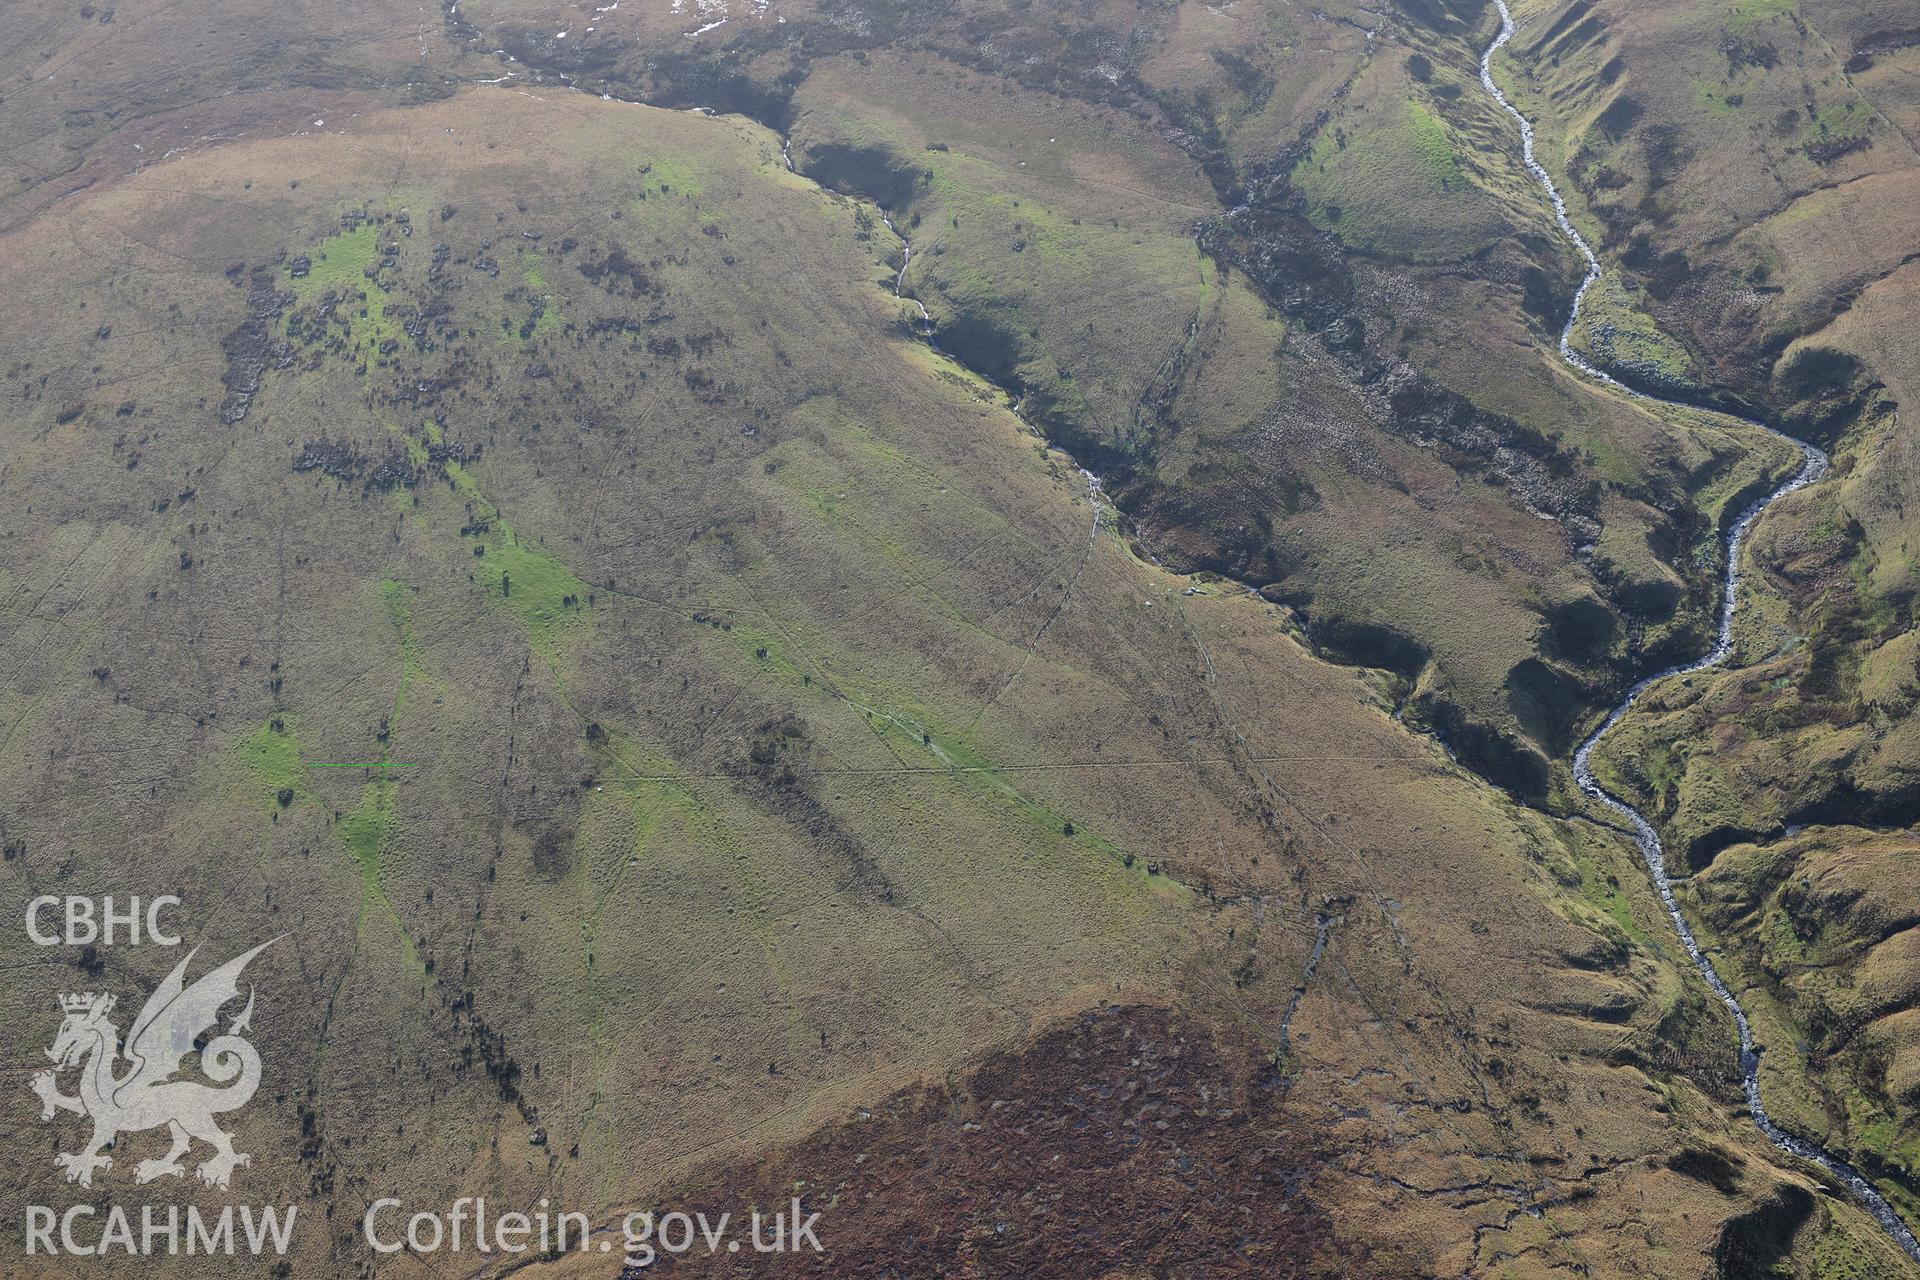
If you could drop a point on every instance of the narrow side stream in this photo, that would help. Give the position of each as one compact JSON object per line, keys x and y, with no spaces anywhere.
{"x":1813,"y":466}
{"x":900,"y":278}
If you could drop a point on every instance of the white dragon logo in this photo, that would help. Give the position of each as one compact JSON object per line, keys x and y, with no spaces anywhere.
{"x":146,"y":1096}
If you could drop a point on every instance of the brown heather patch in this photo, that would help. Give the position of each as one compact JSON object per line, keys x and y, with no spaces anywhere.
{"x":1128,"y":1141}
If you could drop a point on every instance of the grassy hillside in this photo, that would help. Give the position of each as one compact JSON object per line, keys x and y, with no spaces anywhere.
{"x":1282,"y":438}
{"x":516,"y":543}
{"x":1818,"y":925}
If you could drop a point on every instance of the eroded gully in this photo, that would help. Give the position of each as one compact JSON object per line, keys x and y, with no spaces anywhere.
{"x":1813,"y":466}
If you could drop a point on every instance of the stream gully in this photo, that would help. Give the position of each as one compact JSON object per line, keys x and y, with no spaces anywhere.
{"x":1813,"y":466}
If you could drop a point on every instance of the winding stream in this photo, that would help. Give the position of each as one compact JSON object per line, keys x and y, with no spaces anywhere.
{"x":1813,"y":466}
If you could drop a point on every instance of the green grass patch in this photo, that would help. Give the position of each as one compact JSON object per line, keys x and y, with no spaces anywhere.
{"x":1716,"y":102}
{"x":1617,"y":334}
{"x":272,"y":759}
{"x":338,"y":264}
{"x":1602,"y":890}
{"x":914,"y":729}
{"x":1612,"y":462}
{"x":545,"y":597}
{"x":1745,"y":13}
{"x":551,"y":319}
{"x":1840,"y":121}
{"x":1432,"y":146}
{"x":764,"y":650}
{"x":669,"y":176}
{"x":365,"y":829}
{"x":400,"y":613}
{"x":1388,"y":177}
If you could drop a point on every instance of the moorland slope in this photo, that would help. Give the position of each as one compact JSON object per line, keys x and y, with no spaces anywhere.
{"x":776,"y":761}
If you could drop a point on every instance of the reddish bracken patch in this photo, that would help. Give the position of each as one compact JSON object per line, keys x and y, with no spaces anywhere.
{"x":1128,"y":1143}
